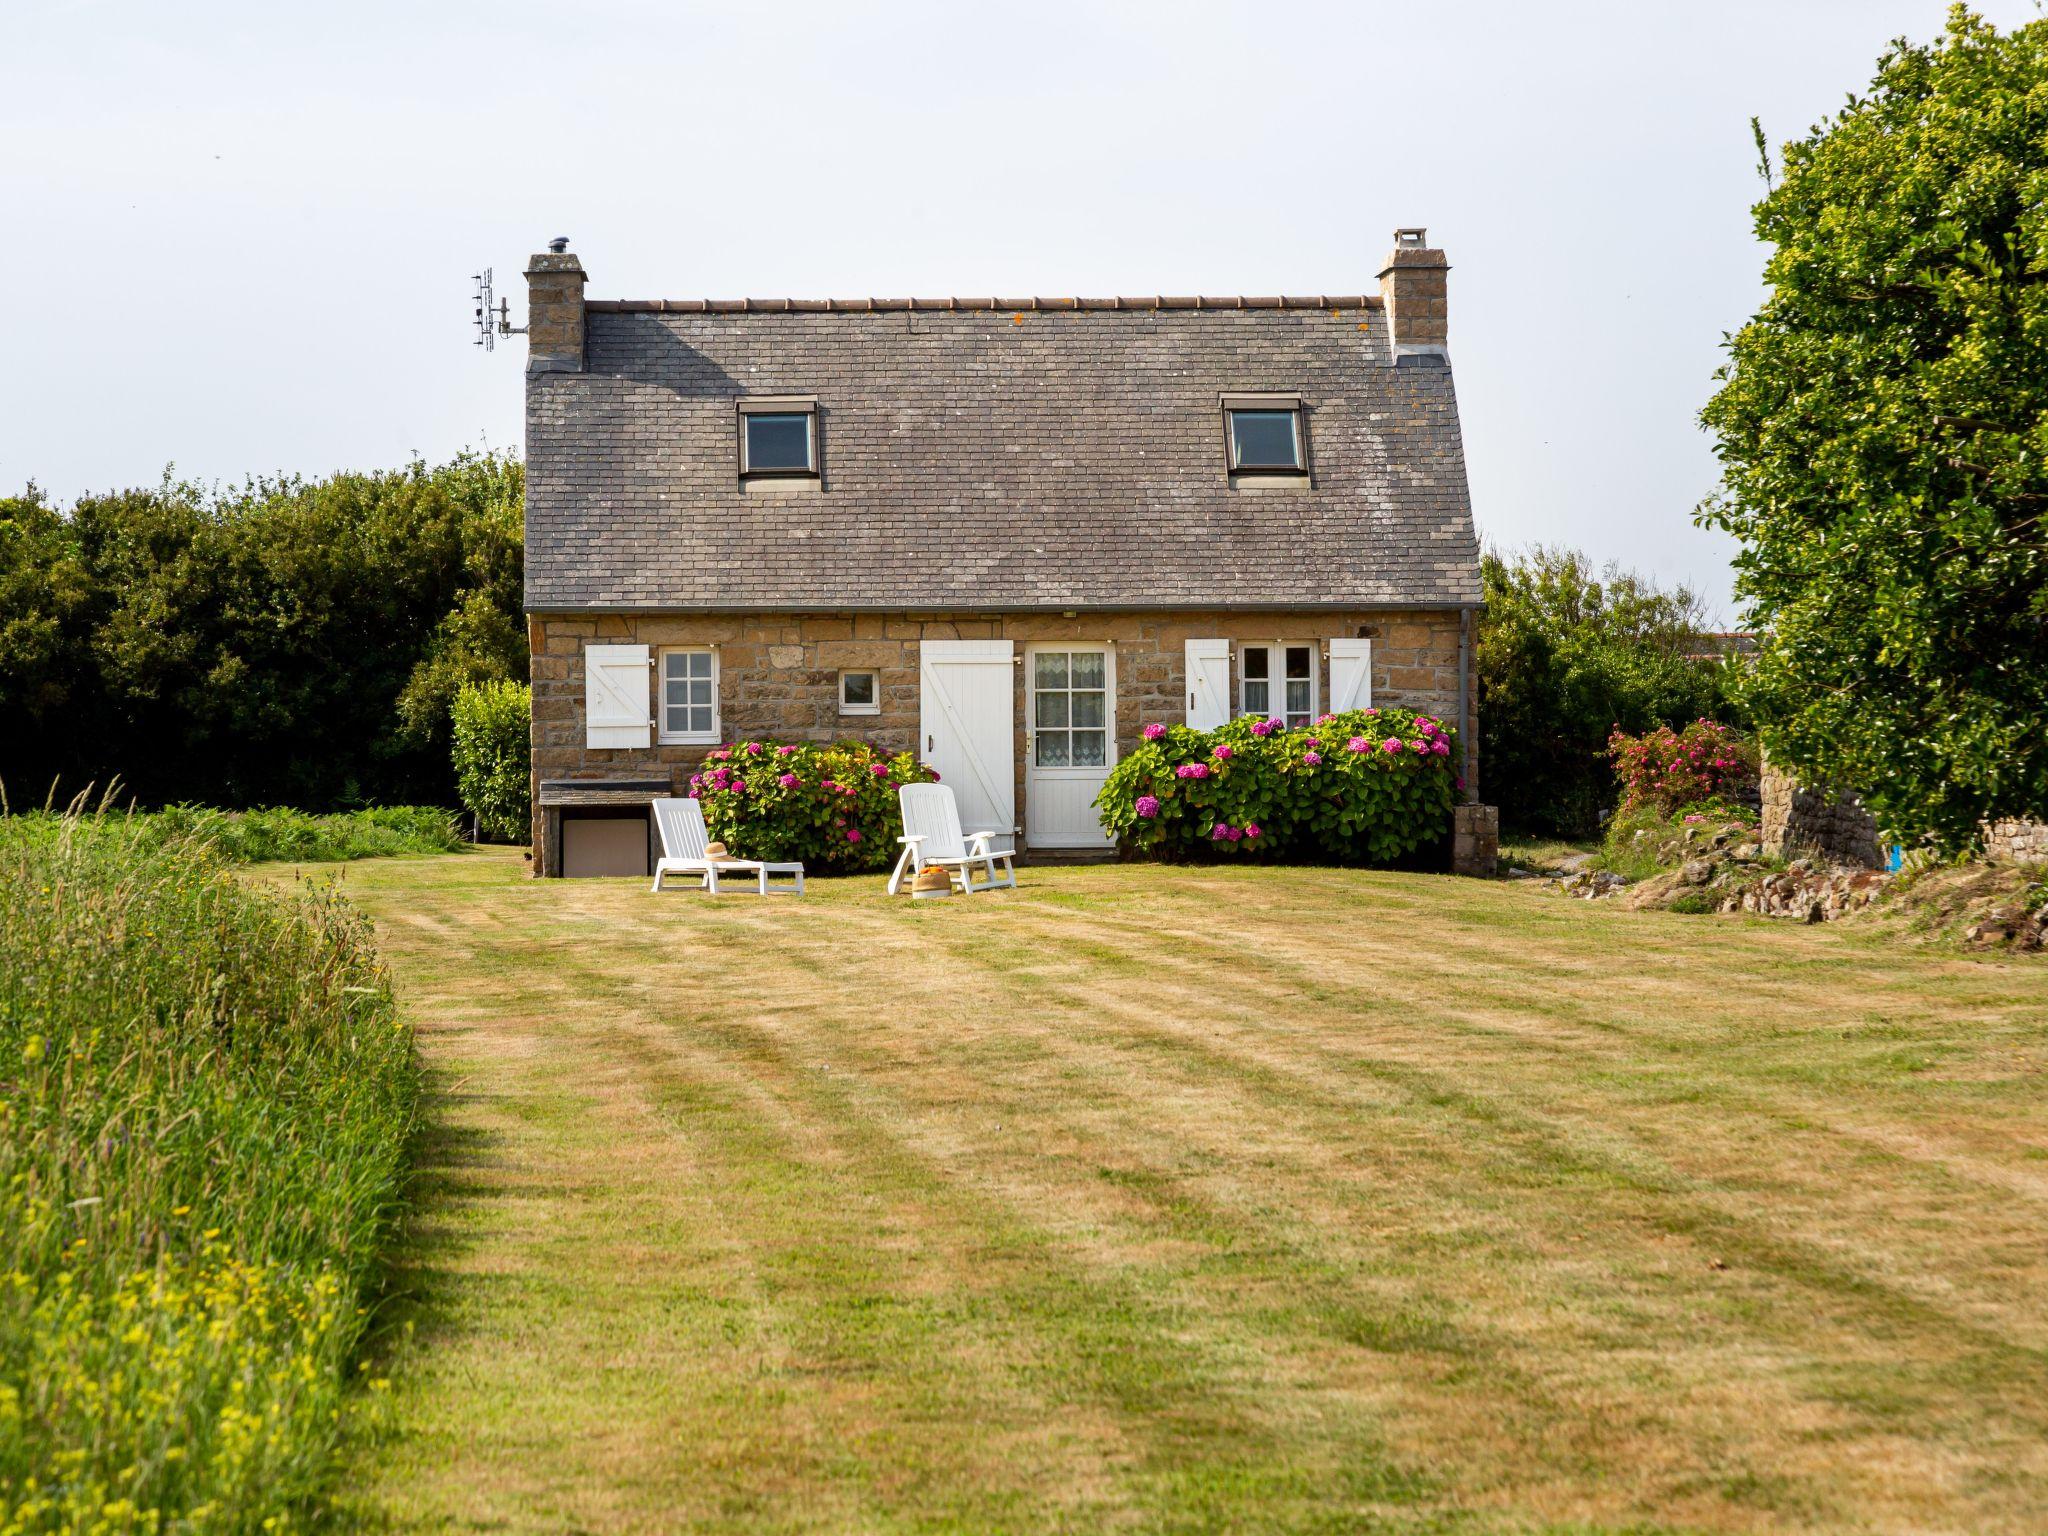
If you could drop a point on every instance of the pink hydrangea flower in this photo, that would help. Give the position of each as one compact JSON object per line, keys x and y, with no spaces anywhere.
{"x":718,"y":756}
{"x":1418,"y":745}
{"x":1311,"y":758}
{"x":738,"y":786}
{"x":1459,"y":781}
{"x":853,"y":834}
{"x":693,"y":795}
{"x":1320,"y":720}
{"x":1358,"y":744}
{"x":1192,"y":771}
{"x":1265,"y":727}
{"x":1154,"y":731}
{"x":1147,"y":806}
{"x":848,"y":790}
{"x":1391,"y":744}
{"x":934,"y":773}
{"x":879,"y":770}
{"x":1441,"y":747}
{"x":1225,"y":753}
{"x":789,"y":781}
{"x":753,"y":749}
{"x":1221,"y":831}
{"x":830,"y":786}
{"x":785,"y":751}
{"x":1251,"y":829}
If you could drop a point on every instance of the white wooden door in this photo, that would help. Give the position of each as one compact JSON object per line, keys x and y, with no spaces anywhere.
{"x":967,"y":722}
{"x":1070,"y":737}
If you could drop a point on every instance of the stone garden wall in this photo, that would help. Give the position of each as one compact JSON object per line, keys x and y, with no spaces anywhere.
{"x":1797,"y":820}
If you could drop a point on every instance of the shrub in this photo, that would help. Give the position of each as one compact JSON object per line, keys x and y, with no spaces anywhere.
{"x":1366,"y":786}
{"x":1668,"y":770}
{"x":208,"y":1101}
{"x":493,"y":758}
{"x":833,"y":807}
{"x":1566,"y":651}
{"x":278,"y":832}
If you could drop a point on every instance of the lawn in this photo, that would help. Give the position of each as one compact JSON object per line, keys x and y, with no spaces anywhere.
{"x":1232,"y":1199}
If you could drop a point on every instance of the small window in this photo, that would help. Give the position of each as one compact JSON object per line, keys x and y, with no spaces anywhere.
{"x":1263,"y":434}
{"x":689,"y":695}
{"x":860,"y":693}
{"x":1277,"y":682}
{"x":778,"y":436}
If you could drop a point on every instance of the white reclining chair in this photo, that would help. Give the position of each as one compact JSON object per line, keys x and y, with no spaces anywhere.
{"x":932,"y":839}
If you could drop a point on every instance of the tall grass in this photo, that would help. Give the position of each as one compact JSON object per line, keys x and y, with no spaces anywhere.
{"x":278,"y":832}
{"x":205,"y":1101}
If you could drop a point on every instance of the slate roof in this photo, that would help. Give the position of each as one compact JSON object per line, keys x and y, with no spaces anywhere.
{"x":973,"y":459}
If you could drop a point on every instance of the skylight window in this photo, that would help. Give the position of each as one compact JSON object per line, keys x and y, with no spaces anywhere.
{"x":1264,"y":434}
{"x":778,"y":436}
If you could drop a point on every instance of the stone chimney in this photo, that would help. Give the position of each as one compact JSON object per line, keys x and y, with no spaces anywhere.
{"x":554,"y":310}
{"x":1412,"y":287}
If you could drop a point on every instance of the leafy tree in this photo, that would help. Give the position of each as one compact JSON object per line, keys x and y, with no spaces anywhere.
{"x":292,"y":642}
{"x":1883,"y":426}
{"x":1566,"y":653}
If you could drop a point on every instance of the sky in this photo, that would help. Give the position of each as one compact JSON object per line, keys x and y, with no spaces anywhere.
{"x":239,"y":238}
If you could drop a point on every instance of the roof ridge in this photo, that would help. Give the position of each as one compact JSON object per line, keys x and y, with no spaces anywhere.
{"x":1144,"y":302}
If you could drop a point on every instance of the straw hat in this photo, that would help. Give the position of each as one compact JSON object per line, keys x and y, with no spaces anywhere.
{"x":715,"y":851}
{"x":931,"y":881}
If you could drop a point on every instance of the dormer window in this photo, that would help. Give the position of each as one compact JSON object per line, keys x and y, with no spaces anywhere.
{"x":1263,"y":434}
{"x":778,"y":436}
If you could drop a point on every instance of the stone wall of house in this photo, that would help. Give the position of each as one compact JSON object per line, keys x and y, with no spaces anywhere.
{"x":2016,"y":842}
{"x":1797,"y":820}
{"x":779,"y":673}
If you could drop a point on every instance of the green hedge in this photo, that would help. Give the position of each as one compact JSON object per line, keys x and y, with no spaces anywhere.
{"x":493,"y":758}
{"x":203,"y":1135}
{"x":833,"y":807}
{"x":1368,"y":786}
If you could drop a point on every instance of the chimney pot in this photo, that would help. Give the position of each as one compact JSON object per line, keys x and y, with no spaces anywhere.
{"x":559,"y":244}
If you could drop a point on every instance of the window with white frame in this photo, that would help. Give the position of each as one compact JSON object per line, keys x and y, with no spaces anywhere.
{"x":689,"y":694}
{"x":860,"y":693}
{"x":1277,"y":682}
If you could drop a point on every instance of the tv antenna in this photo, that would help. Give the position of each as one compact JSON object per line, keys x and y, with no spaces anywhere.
{"x":493,"y":316}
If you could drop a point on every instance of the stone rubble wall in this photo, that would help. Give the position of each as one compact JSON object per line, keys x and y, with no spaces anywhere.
{"x":2016,"y":842}
{"x":1798,"y":820}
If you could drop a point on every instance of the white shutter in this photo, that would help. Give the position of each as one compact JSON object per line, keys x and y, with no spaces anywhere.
{"x":615,"y":696}
{"x":1350,"y":675}
{"x":1208,"y":683}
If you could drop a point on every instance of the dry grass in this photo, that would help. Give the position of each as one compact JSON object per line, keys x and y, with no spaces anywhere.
{"x":1167,"y":1200}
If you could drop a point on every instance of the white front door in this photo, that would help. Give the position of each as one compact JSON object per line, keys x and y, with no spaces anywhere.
{"x":1070,"y":720}
{"x":967,"y":725}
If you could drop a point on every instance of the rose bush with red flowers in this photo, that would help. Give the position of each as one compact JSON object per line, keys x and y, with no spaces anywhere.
{"x":1668,"y":770}
{"x":833,"y":807}
{"x":1253,"y":788}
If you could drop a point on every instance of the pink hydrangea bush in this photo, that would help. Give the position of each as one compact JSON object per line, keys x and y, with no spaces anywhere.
{"x":1667,"y":770}
{"x":832,"y":806}
{"x":1254,"y":789}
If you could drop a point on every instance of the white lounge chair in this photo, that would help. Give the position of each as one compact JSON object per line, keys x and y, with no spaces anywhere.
{"x":932,"y":840}
{"x":686,"y":845}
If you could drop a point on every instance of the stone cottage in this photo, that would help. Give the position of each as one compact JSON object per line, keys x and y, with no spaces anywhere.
{"x":1007,"y":533}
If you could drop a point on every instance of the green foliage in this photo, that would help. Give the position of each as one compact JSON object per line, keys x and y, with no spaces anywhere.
{"x":291,"y":642}
{"x":493,"y":758}
{"x":208,"y":1100}
{"x":1668,"y":769}
{"x":1329,"y":793}
{"x":1883,"y":427}
{"x":280,"y":833}
{"x":833,"y":807}
{"x":1567,"y":654}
